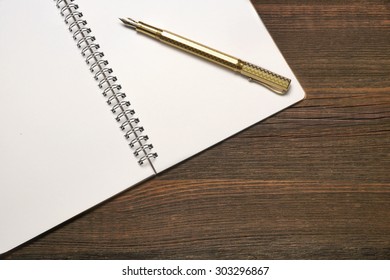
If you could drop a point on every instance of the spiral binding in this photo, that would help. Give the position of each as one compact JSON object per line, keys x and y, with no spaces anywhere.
{"x":106,"y":81}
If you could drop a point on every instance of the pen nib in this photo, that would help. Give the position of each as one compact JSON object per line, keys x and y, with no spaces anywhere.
{"x":129,"y":22}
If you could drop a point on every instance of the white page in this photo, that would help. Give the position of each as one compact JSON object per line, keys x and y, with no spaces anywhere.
{"x":185,"y":103}
{"x":61,"y":151}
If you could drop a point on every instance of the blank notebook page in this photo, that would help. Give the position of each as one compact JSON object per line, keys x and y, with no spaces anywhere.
{"x":61,"y":151}
{"x":187,"y":104}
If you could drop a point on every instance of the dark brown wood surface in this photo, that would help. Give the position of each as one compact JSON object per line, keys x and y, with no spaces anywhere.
{"x":311,"y":182}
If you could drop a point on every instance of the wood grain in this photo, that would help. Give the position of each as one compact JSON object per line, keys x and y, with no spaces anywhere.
{"x":311,"y":182}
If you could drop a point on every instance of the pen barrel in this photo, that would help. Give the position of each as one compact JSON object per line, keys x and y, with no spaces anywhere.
{"x":271,"y":80}
{"x":200,"y":50}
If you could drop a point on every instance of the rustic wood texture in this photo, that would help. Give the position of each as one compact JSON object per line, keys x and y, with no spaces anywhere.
{"x":311,"y":182}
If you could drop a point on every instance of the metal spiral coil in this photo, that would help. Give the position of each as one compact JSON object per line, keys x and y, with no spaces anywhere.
{"x":147,"y":157}
{"x":142,"y":138}
{"x":106,"y":81}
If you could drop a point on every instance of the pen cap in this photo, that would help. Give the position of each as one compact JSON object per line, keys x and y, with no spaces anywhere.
{"x":271,"y":80}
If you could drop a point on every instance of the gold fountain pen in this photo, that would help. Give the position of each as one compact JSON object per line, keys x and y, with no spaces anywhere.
{"x":273,"y":81}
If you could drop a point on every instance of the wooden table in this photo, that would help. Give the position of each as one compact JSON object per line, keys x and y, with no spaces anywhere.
{"x":311,"y":182}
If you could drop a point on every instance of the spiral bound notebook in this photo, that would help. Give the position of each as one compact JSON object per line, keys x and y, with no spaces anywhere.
{"x":74,"y":135}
